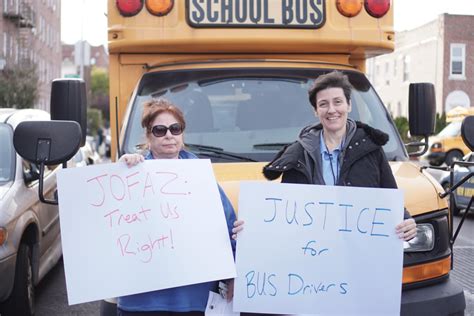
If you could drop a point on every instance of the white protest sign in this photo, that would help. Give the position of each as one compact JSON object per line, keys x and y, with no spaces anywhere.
{"x":318,"y":250}
{"x":157,"y":225}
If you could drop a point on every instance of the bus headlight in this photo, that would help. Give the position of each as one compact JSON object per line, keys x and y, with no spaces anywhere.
{"x":423,"y":241}
{"x":437,"y":147}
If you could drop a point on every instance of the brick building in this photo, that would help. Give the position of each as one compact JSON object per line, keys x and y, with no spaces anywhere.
{"x":440,"y":52}
{"x":30,"y":34}
{"x":93,"y":56}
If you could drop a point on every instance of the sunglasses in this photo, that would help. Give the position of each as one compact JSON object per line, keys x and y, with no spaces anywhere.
{"x":161,"y":130}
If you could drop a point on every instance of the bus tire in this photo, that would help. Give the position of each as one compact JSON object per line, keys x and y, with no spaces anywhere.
{"x":453,"y":155}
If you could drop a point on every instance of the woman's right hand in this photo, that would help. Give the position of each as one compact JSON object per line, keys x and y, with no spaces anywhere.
{"x":238,"y":227}
{"x":132,"y":159}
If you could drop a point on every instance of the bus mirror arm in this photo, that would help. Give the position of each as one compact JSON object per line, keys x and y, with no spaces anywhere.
{"x":40,"y":188}
{"x":458,"y":229}
{"x":419,"y":144}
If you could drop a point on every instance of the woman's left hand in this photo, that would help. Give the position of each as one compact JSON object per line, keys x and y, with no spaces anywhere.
{"x":230,"y":290}
{"x":407,"y":229}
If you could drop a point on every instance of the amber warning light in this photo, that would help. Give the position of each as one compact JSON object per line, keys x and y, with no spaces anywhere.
{"x":351,"y":8}
{"x":130,"y":8}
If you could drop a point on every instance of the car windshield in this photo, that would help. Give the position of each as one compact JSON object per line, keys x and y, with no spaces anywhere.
{"x":7,"y":154}
{"x":249,"y":114}
{"x":453,"y":129}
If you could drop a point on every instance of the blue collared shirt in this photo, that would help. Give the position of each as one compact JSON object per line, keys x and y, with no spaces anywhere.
{"x":330,"y":162}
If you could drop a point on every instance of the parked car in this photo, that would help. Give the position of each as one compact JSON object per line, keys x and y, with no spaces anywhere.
{"x":87,"y":155}
{"x":447,"y":146}
{"x":30,"y":241}
{"x":464,"y":193}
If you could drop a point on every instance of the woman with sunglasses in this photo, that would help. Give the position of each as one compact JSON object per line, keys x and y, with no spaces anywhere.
{"x":164,"y":125}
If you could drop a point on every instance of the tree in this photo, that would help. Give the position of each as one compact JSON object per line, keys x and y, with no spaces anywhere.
{"x":94,"y":121}
{"x":440,"y":122}
{"x":19,"y":86}
{"x":401,"y":123}
{"x":100,"y":90}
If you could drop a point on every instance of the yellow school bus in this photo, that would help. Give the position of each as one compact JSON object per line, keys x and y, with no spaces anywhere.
{"x":240,"y":71}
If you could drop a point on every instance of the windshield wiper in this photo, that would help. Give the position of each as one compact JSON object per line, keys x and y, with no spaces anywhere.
{"x":216,"y":152}
{"x":270,"y":146}
{"x":204,"y":147}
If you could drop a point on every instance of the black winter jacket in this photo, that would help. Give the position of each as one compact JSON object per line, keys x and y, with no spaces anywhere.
{"x":362,"y":160}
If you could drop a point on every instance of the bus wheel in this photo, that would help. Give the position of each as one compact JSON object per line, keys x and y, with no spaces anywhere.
{"x":453,"y":155}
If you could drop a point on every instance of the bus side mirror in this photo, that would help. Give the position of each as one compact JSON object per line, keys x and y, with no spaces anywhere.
{"x":69,"y":103}
{"x":422,"y":109}
{"x":47,"y":143}
{"x":421,"y":112}
{"x":467,"y":132}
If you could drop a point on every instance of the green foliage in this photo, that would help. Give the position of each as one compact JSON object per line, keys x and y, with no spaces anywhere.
{"x":19,"y":86}
{"x":401,"y":123}
{"x":440,"y":122}
{"x":94,"y":121}
{"x":99,"y":91}
{"x":99,"y":81}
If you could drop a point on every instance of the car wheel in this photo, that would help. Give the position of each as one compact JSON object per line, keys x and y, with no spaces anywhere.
{"x":22,"y":298}
{"x":452,"y":156}
{"x":435,"y":163}
{"x":456,"y":210}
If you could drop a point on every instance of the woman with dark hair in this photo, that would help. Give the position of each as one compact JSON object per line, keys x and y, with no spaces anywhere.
{"x":337,"y":151}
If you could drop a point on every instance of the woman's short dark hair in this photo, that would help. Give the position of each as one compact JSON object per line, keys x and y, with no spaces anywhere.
{"x":334,"y":79}
{"x":155,"y":107}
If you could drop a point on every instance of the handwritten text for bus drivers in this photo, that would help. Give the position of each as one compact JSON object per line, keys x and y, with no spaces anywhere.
{"x":256,"y":13}
{"x":331,"y":249}
{"x":136,"y":223}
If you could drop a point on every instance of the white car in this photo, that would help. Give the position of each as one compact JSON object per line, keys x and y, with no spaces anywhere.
{"x":30,"y":240}
{"x":87,"y":155}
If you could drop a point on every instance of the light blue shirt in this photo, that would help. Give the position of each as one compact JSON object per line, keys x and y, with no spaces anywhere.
{"x":330,"y":162}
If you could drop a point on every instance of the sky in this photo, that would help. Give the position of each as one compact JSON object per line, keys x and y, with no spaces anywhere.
{"x":91,"y":14}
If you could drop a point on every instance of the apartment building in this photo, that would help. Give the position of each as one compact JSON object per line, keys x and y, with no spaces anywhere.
{"x":440,"y":52}
{"x":30,"y":34}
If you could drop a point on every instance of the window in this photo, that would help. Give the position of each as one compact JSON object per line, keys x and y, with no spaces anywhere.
{"x":406,"y":68}
{"x":246,"y":111}
{"x":458,"y":60}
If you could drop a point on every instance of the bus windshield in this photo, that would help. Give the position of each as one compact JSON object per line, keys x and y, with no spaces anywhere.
{"x":453,"y":129}
{"x":249,"y":114}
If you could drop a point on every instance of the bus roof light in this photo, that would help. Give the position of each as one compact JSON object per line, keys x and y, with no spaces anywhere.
{"x":377,"y":8}
{"x":159,"y":7}
{"x":349,"y":8}
{"x":129,"y":7}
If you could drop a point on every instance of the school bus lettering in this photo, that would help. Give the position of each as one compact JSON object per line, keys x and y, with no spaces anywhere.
{"x":256,"y":13}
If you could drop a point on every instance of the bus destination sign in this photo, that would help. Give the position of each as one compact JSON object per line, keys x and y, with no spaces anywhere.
{"x":256,"y":13}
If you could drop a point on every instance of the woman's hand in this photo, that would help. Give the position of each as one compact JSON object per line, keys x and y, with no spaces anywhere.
{"x":230,"y":290}
{"x":238,"y":227}
{"x":407,"y":229}
{"x":132,"y":159}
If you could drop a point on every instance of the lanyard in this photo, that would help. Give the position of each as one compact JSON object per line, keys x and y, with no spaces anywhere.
{"x":335,"y":176}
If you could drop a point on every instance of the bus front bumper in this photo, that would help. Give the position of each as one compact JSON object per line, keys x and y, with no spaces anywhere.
{"x":446,"y":298}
